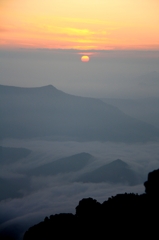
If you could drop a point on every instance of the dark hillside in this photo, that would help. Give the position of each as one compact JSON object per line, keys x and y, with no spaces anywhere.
{"x":48,"y":112}
{"x":121,"y":216}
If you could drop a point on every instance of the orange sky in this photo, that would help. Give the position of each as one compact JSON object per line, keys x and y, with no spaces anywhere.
{"x":80,"y":24}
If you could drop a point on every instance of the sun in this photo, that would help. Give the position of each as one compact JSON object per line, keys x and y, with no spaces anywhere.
{"x":85,"y":58}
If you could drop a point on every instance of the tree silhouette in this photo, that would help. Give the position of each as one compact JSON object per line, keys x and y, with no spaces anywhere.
{"x":124,"y":215}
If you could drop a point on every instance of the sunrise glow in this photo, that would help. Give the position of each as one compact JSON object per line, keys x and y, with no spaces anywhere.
{"x":82,"y":25}
{"x":85,"y":59}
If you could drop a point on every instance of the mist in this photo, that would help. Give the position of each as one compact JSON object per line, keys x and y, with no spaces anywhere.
{"x":55,"y":194}
{"x":129,"y":76}
{"x":111,"y":74}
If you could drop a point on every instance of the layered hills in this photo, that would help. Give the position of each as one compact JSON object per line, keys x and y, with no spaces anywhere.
{"x":115,"y":172}
{"x":144,"y":109}
{"x":10,"y":154}
{"x":49,"y":112}
{"x":68,"y":164}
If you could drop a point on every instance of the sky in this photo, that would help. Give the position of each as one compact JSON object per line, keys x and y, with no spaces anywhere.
{"x":80,"y":24}
{"x":108,"y":74}
{"x":42,"y":42}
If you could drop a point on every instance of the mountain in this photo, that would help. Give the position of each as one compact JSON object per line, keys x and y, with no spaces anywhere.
{"x":64,"y":165}
{"x":10,"y":154}
{"x":49,"y":112}
{"x":13,"y":187}
{"x":144,"y":109}
{"x":114,"y":172}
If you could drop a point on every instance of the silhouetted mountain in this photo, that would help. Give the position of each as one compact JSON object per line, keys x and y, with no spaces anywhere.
{"x":120,"y":216}
{"x":48,"y":112}
{"x":114,"y":172}
{"x":64,"y":165}
{"x":152,"y":183}
{"x":10,"y":154}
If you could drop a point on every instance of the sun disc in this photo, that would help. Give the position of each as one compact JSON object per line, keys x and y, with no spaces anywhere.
{"x":85,"y":58}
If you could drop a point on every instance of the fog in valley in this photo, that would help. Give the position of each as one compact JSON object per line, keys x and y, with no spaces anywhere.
{"x":42,"y":196}
{"x":72,"y":130}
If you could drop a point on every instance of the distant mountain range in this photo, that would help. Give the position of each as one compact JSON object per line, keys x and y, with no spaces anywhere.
{"x":49,"y":112}
{"x":10,"y":154}
{"x":115,"y":172}
{"x":144,"y":109}
{"x":68,"y":164}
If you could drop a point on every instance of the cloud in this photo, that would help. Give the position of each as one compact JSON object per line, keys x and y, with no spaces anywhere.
{"x":33,"y":208}
{"x":62,"y":198}
{"x":56,"y":194}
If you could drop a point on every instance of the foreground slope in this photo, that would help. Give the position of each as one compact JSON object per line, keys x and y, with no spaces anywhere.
{"x":48,"y":112}
{"x":118,"y":217}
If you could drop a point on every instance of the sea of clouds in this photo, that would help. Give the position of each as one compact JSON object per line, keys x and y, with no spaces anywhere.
{"x":60,"y":194}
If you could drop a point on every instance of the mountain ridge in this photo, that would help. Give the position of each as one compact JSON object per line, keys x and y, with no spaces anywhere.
{"x":115,"y":172}
{"x":63,"y":165}
{"x":47,"y":111}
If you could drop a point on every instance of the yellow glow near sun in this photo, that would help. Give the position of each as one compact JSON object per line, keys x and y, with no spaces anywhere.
{"x":80,"y":24}
{"x":85,"y":58}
